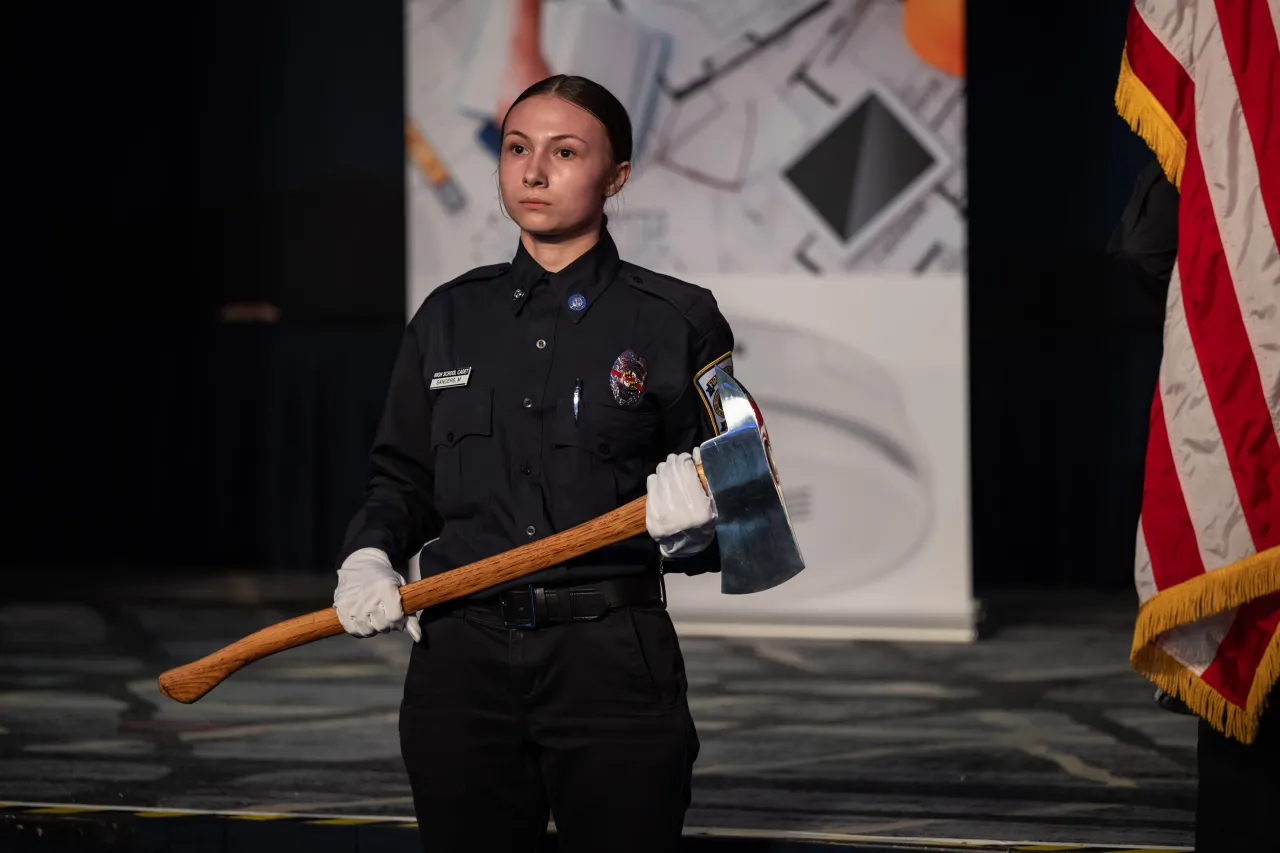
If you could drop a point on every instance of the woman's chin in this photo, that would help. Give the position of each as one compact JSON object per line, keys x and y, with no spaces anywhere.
{"x":533,"y":221}
{"x":538,"y":227}
{"x":546,"y":227}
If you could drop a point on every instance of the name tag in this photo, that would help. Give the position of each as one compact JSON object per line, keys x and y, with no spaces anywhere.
{"x":451,"y":378}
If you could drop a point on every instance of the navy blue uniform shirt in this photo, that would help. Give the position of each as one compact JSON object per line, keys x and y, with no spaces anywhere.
{"x":479,"y":448}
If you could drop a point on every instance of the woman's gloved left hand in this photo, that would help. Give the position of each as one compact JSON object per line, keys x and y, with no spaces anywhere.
{"x":679,"y":514}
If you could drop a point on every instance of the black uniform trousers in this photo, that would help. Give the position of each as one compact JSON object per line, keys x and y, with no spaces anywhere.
{"x":1238,"y":802}
{"x":587,"y":720}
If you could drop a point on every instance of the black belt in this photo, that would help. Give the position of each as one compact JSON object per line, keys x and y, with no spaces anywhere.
{"x":540,"y":606}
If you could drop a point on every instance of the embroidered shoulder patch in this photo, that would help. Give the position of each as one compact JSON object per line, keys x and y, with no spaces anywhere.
{"x":706,"y":382}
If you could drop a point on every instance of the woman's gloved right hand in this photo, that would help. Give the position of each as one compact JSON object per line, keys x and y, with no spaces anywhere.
{"x":368,"y":596}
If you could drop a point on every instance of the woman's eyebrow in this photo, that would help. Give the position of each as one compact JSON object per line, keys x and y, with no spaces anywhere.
{"x":555,"y":138}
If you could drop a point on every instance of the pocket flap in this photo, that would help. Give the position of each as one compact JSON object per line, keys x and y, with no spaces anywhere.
{"x":606,"y":431}
{"x":460,"y":412}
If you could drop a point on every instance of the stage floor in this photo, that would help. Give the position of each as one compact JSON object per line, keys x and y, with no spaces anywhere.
{"x":1039,"y":733}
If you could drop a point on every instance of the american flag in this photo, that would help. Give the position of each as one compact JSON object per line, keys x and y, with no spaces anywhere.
{"x":1200,"y":82}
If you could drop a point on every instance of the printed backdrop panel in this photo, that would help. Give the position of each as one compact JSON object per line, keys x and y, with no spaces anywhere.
{"x":804,"y":159}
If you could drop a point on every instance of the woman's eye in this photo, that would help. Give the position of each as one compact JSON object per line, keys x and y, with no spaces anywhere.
{"x":564,"y":153}
{"x":517,"y":148}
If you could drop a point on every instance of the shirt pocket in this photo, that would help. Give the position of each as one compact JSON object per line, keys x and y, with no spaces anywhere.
{"x":601,"y":461}
{"x":461,"y":442}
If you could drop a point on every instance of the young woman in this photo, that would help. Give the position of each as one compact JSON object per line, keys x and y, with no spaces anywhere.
{"x":529,"y":397}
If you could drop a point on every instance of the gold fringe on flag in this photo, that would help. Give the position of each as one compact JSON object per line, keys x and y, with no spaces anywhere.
{"x":1201,"y":597}
{"x":1149,"y":119}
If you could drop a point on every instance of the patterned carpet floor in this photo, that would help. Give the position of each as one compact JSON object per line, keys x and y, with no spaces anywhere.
{"x":1037,"y":733}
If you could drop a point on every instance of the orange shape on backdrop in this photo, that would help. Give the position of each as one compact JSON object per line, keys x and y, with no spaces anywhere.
{"x":935,"y":31}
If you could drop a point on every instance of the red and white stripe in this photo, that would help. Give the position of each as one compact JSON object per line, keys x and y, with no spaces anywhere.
{"x":1212,"y":492}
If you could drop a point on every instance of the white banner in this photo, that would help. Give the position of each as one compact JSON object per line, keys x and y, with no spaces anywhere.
{"x":863,"y":385}
{"x":804,"y":159}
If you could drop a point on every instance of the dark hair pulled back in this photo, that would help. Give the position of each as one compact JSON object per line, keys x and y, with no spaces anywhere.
{"x":592,"y":97}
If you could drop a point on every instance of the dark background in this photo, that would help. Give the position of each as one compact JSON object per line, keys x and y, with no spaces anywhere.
{"x":166,"y":159}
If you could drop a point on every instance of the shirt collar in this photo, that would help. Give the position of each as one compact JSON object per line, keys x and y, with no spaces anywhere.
{"x":587,"y":277}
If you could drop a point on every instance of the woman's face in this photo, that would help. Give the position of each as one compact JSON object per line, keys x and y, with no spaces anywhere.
{"x":556,"y":167}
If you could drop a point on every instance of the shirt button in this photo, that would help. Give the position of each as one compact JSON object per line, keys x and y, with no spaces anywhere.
{"x":636,"y":279}
{"x":525,"y":469}
{"x":541,"y":344}
{"x":528,"y":403}
{"x":604,"y":448}
{"x":448,"y":436}
{"x":529,"y":531}
{"x":517,"y":294}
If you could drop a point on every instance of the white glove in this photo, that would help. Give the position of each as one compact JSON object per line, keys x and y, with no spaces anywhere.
{"x":679,"y":513}
{"x":368,"y":596}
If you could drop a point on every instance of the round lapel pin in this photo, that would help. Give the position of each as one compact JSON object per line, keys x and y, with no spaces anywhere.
{"x":577,"y":302}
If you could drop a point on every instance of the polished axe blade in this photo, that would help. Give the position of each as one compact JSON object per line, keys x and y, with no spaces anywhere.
{"x":758,"y":547}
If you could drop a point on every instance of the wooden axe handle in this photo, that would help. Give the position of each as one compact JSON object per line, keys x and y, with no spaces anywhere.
{"x":188,"y":683}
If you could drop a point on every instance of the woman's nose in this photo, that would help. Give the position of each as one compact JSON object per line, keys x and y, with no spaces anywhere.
{"x":534,"y":174}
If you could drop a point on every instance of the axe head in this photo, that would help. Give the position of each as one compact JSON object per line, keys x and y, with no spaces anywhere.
{"x":758,"y":547}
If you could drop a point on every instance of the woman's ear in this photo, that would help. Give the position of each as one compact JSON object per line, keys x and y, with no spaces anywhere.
{"x":616,"y":181}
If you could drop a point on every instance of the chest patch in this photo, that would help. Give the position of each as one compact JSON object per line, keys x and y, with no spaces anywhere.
{"x":627,"y":377}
